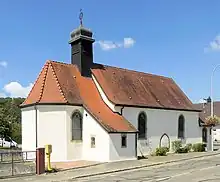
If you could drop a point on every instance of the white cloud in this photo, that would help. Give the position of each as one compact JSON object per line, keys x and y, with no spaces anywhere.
{"x":128,"y":42}
{"x":214,"y":45}
{"x":3,"y":64}
{"x":108,"y":45}
{"x":15,"y":89}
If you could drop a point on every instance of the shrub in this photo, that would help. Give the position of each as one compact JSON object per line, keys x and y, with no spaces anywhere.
{"x":189,"y":147}
{"x":161,"y":151}
{"x":182,"y":150}
{"x":178,"y":148}
{"x":167,"y":149}
{"x":176,"y":145}
{"x":198,"y":147}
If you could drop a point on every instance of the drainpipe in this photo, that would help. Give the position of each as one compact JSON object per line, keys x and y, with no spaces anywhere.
{"x":35,"y":107}
{"x":122,"y":110}
{"x":136,"y":145}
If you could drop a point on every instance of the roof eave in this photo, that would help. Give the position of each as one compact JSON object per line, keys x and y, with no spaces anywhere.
{"x":49,"y":103}
{"x":161,"y":108}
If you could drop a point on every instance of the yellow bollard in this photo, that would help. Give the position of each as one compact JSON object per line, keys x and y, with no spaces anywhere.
{"x":48,"y":149}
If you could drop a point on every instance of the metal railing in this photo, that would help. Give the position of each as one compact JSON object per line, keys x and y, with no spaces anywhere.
{"x":17,"y":163}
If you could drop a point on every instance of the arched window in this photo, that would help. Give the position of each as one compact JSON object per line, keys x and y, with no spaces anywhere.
{"x":142,"y":126}
{"x":76,"y":126}
{"x":181,"y":127}
{"x":204,"y":134}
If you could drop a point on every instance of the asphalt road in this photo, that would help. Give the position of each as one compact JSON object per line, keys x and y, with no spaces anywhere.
{"x":207,"y":170}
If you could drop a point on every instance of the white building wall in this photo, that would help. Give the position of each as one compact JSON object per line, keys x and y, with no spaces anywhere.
{"x":28,"y":129}
{"x":52,"y":130}
{"x":54,"y":127}
{"x":117,"y":152}
{"x":91,"y":128}
{"x":163,"y":121}
{"x":74,"y":148}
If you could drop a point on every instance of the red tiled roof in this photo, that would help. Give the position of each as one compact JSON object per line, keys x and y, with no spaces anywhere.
{"x":48,"y":88}
{"x":132,"y":88}
{"x":62,"y":83}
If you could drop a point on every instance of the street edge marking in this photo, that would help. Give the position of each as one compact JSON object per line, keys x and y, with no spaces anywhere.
{"x":144,"y":166}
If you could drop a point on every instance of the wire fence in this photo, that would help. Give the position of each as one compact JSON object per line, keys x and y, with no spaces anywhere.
{"x":17,"y":163}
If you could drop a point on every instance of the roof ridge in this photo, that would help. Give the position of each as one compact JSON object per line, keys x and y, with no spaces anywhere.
{"x":44,"y":79}
{"x":126,"y":69}
{"x":60,"y":62}
{"x":57,"y":81}
{"x":46,"y":64}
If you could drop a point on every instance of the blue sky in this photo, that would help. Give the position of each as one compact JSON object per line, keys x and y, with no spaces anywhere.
{"x":178,"y":39}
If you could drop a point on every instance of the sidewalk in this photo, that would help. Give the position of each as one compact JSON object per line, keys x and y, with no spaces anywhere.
{"x":106,"y":168}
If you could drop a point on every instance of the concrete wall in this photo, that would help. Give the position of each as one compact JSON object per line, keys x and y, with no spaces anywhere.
{"x":91,"y":128}
{"x":28,"y":129}
{"x":160,"y":122}
{"x":74,"y":148}
{"x":117,"y":152}
{"x":52,"y":128}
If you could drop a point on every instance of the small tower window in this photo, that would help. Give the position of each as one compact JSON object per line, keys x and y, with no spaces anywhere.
{"x":123,"y":140}
{"x":92,"y":142}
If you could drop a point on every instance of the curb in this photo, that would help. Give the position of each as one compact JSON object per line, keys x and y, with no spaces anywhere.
{"x":80,"y":167}
{"x":143,"y":166}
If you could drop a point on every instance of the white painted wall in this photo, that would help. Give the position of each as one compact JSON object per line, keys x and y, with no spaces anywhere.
{"x":52,"y":130}
{"x":54,"y":127}
{"x":28,"y":129}
{"x":92,"y":128}
{"x":163,"y":121}
{"x":74,"y":148}
{"x":118,"y":153}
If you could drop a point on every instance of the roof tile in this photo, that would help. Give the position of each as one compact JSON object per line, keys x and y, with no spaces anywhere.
{"x":127,"y":87}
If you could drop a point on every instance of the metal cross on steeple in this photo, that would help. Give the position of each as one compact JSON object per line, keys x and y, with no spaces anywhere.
{"x":81,"y":17}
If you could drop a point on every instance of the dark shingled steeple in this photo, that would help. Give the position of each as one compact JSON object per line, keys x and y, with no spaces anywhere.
{"x":81,"y":49}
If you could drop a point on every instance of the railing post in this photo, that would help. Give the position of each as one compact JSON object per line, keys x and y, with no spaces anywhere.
{"x":40,"y":161}
{"x":12,"y":163}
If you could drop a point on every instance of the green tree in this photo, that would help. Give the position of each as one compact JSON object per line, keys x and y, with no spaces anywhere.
{"x":10,"y":118}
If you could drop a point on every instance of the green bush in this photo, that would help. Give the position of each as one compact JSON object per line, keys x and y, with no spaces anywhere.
{"x":178,"y":148}
{"x":161,"y":151}
{"x":176,"y":145}
{"x":189,"y":147}
{"x":182,"y":150}
{"x":167,"y":149}
{"x":198,"y":147}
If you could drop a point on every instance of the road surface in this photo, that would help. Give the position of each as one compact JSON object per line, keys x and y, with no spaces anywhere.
{"x":207,"y":170}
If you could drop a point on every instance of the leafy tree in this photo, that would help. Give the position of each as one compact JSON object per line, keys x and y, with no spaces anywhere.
{"x":10,"y":118}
